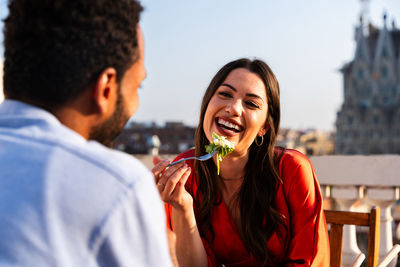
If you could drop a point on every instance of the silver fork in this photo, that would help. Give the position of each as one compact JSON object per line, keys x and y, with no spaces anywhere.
{"x":204,"y":157}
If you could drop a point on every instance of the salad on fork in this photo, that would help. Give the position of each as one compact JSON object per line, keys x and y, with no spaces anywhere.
{"x":222,"y":146}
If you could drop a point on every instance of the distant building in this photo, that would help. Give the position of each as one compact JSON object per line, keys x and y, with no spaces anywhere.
{"x":311,"y":142}
{"x":316,"y":142}
{"x":288,"y":138}
{"x":146,"y":138}
{"x":369,"y":119}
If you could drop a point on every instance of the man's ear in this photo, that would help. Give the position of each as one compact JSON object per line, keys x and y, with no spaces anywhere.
{"x":105,"y":90}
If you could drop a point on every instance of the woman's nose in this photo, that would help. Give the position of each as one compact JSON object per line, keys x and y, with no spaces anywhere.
{"x":234,"y":108}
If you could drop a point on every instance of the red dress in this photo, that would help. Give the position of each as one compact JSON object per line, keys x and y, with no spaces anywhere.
{"x":298,"y":199}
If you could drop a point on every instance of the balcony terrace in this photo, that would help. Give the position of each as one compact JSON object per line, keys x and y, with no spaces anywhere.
{"x":355,"y":183}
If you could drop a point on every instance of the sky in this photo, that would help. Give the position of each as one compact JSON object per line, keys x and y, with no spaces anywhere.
{"x":305,"y":43}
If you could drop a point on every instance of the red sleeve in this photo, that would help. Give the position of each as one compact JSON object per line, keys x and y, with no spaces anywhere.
{"x":309,"y":243}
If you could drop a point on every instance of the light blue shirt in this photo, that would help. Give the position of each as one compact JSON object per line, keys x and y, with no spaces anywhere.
{"x":65,"y":201}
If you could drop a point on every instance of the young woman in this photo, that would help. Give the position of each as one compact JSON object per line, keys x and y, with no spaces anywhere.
{"x":265,"y":207}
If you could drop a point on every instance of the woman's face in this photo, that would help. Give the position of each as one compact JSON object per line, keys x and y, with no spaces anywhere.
{"x":238,"y":109}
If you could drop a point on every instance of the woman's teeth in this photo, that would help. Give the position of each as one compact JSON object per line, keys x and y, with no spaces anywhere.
{"x":229,"y":125}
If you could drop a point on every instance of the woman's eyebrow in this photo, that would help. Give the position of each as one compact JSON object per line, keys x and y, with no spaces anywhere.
{"x":230,"y":86}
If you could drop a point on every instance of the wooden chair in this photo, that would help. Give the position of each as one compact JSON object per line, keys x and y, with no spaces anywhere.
{"x":337,"y":219}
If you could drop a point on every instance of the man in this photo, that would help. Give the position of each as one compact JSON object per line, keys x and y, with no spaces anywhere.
{"x":71,"y":74}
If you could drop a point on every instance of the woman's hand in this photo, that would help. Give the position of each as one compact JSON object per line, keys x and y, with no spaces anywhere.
{"x":171,"y":183}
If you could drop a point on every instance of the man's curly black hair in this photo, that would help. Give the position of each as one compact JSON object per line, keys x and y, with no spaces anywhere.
{"x":55,"y":49}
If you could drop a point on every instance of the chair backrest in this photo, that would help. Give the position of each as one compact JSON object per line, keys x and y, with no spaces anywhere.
{"x":337,"y":219}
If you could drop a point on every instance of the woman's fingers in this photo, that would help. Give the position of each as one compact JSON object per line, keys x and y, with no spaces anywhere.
{"x":163,"y":176}
{"x":159,"y":166}
{"x":174,"y":175}
{"x":175,"y":192}
{"x":180,"y":187}
{"x":160,"y":187}
{"x":156,"y":160}
{"x":157,"y":171}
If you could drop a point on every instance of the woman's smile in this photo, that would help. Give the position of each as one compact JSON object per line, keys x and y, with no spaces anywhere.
{"x":228,"y":126}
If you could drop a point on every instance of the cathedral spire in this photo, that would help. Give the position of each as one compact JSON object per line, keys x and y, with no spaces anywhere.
{"x":364,"y":13}
{"x":384,"y":19}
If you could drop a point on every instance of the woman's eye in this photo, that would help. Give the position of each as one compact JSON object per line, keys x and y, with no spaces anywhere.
{"x":225,"y":94}
{"x":252,"y":104}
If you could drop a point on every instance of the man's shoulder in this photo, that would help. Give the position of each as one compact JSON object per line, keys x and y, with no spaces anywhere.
{"x":122,"y":166}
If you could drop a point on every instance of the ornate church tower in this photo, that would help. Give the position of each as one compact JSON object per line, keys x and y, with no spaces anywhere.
{"x":369,"y":119}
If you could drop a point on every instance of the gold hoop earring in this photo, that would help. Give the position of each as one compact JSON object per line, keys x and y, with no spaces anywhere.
{"x":262,"y":140}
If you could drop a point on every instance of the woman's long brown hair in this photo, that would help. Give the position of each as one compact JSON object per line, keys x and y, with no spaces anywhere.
{"x":259,"y":217}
